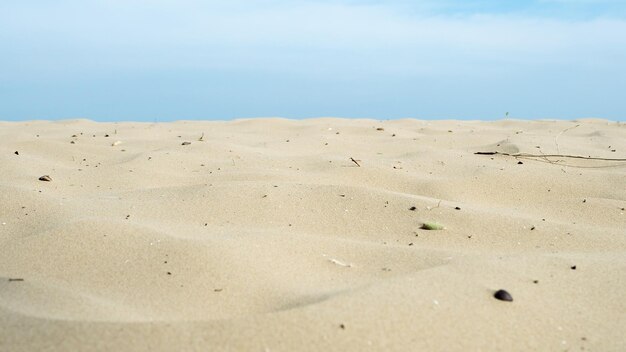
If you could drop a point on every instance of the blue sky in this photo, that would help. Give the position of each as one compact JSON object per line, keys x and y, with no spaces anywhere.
{"x":164,"y":60}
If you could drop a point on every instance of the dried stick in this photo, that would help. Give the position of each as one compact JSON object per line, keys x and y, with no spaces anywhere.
{"x":525,"y":155}
{"x":556,"y":139}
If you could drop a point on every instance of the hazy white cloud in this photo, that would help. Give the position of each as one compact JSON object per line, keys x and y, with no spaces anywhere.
{"x":292,"y":36}
{"x":399,"y":43}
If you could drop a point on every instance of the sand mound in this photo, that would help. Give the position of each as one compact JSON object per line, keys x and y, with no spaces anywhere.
{"x":273,"y":234}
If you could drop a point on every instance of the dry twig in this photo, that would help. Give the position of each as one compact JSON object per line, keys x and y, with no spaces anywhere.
{"x":525,"y":155}
{"x":556,"y":139}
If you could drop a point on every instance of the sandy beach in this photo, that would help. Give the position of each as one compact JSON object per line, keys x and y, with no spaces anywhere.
{"x":282,"y":235}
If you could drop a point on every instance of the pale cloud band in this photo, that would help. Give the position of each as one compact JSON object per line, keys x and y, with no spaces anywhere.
{"x":303,"y":38}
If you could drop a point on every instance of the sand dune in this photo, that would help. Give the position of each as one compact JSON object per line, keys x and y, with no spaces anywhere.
{"x":264,"y":235}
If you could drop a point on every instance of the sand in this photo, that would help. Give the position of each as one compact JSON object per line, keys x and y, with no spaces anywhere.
{"x":265,"y":236}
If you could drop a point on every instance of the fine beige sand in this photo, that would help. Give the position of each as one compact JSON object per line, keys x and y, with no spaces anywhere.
{"x":266,"y":236}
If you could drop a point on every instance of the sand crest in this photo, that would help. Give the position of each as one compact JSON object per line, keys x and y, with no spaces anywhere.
{"x":282,"y":235}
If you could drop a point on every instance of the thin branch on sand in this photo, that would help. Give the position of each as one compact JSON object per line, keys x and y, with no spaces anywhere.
{"x":526,"y":155}
{"x":556,"y":139}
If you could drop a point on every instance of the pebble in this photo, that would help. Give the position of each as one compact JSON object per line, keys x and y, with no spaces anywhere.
{"x":186,"y":143}
{"x":502,"y":295}
{"x":45,"y":178}
{"x":433,"y":226}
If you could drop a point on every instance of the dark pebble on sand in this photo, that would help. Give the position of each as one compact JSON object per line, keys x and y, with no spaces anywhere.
{"x":186,"y":143}
{"x":457,"y":208}
{"x":573,"y":267}
{"x":520,"y":163}
{"x":45,"y":178}
{"x":502,"y":295}
{"x":412,"y":208}
{"x":17,"y":153}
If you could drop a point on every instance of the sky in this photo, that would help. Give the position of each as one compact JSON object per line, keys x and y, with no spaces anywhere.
{"x":163,"y":60}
